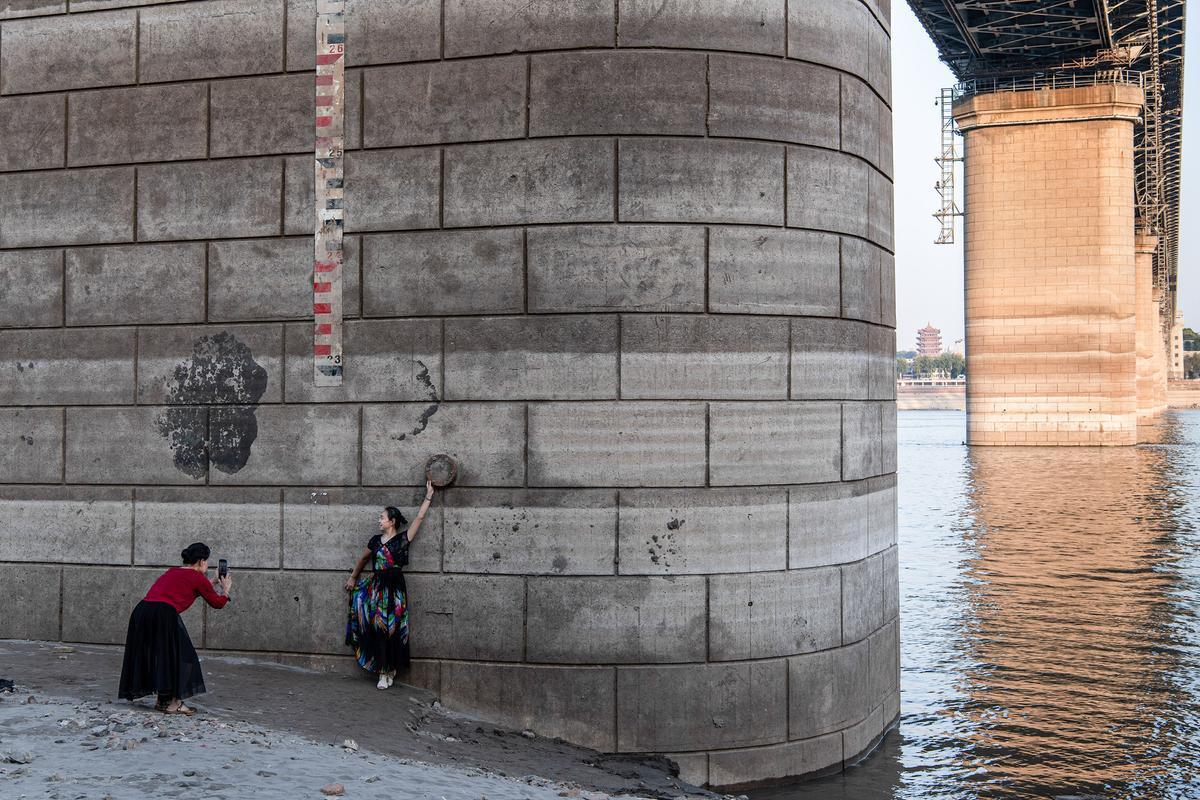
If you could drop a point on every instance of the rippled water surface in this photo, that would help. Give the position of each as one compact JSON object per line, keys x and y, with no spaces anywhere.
{"x":1050,"y":638}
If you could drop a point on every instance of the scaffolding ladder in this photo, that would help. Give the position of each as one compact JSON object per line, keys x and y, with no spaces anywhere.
{"x":947,"y":158}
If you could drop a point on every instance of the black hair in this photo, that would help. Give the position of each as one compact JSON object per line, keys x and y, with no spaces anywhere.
{"x":395,"y":517}
{"x":195,"y":553}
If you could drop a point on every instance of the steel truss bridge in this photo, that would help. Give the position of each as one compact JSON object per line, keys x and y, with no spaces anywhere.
{"x":997,"y":44}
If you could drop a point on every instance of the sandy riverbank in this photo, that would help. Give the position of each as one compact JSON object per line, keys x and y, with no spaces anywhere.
{"x":277,"y":732}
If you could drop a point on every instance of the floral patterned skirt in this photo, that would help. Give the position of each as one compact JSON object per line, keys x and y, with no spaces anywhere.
{"x":377,"y":627}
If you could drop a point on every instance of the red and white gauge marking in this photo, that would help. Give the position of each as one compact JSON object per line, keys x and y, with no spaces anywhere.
{"x":329,"y":186}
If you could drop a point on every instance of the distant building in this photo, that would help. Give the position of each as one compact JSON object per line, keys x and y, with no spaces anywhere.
{"x":1177,"y":348}
{"x":929,"y":341}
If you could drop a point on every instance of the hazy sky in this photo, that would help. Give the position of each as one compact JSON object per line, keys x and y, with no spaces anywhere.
{"x":929,"y":277}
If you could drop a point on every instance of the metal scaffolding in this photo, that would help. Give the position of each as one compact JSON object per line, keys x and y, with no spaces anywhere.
{"x":947,"y":160}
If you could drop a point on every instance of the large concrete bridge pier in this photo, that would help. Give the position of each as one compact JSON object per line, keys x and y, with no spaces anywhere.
{"x":630,"y":263}
{"x":1072,"y":119}
{"x":1058,"y":292}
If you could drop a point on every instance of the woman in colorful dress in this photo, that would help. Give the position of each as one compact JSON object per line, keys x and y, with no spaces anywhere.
{"x":378,"y":625}
{"x":159,"y":656}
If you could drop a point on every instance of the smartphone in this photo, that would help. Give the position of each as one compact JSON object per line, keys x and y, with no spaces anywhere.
{"x":222,"y":568}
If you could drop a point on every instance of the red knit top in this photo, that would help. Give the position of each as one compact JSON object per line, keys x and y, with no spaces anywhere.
{"x":179,"y":586}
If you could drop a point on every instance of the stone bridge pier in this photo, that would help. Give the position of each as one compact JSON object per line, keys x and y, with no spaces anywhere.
{"x":1061,"y":319}
{"x":629,"y":262}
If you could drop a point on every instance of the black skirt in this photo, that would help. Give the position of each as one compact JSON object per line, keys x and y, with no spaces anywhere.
{"x":159,"y":657}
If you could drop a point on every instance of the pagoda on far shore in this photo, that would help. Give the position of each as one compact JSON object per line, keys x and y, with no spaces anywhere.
{"x":929,"y":341}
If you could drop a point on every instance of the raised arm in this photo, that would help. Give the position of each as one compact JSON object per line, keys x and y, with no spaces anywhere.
{"x":209,"y":594}
{"x":359,"y":566}
{"x":416,"y":523}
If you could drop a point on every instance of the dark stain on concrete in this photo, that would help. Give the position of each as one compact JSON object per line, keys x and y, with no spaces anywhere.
{"x":431,"y":392}
{"x":675,"y":524}
{"x":186,"y":431}
{"x":231,"y":432}
{"x":222,"y":372}
{"x":660,"y":549}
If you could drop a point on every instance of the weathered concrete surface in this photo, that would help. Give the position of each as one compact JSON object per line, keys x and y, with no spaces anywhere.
{"x":328,"y":529}
{"x":830,"y":523}
{"x":701,"y":180}
{"x":504,"y":26}
{"x":773,"y":99}
{"x":616,"y":444}
{"x":487,"y":439}
{"x":29,"y":607}
{"x":258,"y":279}
{"x":443,"y":272}
{"x":617,"y":92}
{"x":721,"y":699}
{"x":31,"y":295}
{"x":90,"y":206}
{"x":575,"y":703}
{"x":107,"y":285}
{"x":57,"y":366}
{"x":574,"y":621}
{"x":702,"y":531}
{"x":390,"y":190}
{"x":240,"y":525}
{"x":772,"y":614}
{"x":569,"y":180}
{"x":764,"y":443}
{"x":830,"y":360}
{"x":531,"y":532}
{"x":55,"y":53}
{"x":570,"y":357}
{"x":718,"y":357}
{"x":149,"y":123}
{"x":136,"y":445}
{"x":273,"y":114}
{"x":613,"y":268}
{"x":827,"y":190}
{"x":755,"y":26}
{"x":31,"y":445}
{"x":397,"y":359}
{"x":208,"y":209}
{"x":31,"y":131}
{"x":758,"y":271}
{"x":48,"y":523}
{"x":448,"y":101}
{"x":210,"y":39}
{"x":629,"y":263}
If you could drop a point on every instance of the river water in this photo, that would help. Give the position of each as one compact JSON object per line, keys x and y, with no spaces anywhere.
{"x":1050,"y":634}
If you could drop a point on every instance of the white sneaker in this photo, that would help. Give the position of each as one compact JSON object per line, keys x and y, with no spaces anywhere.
{"x":391,"y":676}
{"x":383,"y":681}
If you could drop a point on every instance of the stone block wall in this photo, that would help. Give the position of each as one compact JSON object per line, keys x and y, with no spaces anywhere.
{"x":1051,"y":297}
{"x":628,"y":261}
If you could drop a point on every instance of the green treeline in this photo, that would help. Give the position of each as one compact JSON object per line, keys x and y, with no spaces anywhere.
{"x":950,"y":364}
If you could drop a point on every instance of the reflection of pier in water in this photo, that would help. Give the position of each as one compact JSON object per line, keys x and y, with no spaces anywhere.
{"x":1071,"y":604}
{"x":1050,"y":646}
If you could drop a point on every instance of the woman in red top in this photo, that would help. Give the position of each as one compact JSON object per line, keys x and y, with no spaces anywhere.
{"x":159,"y":657}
